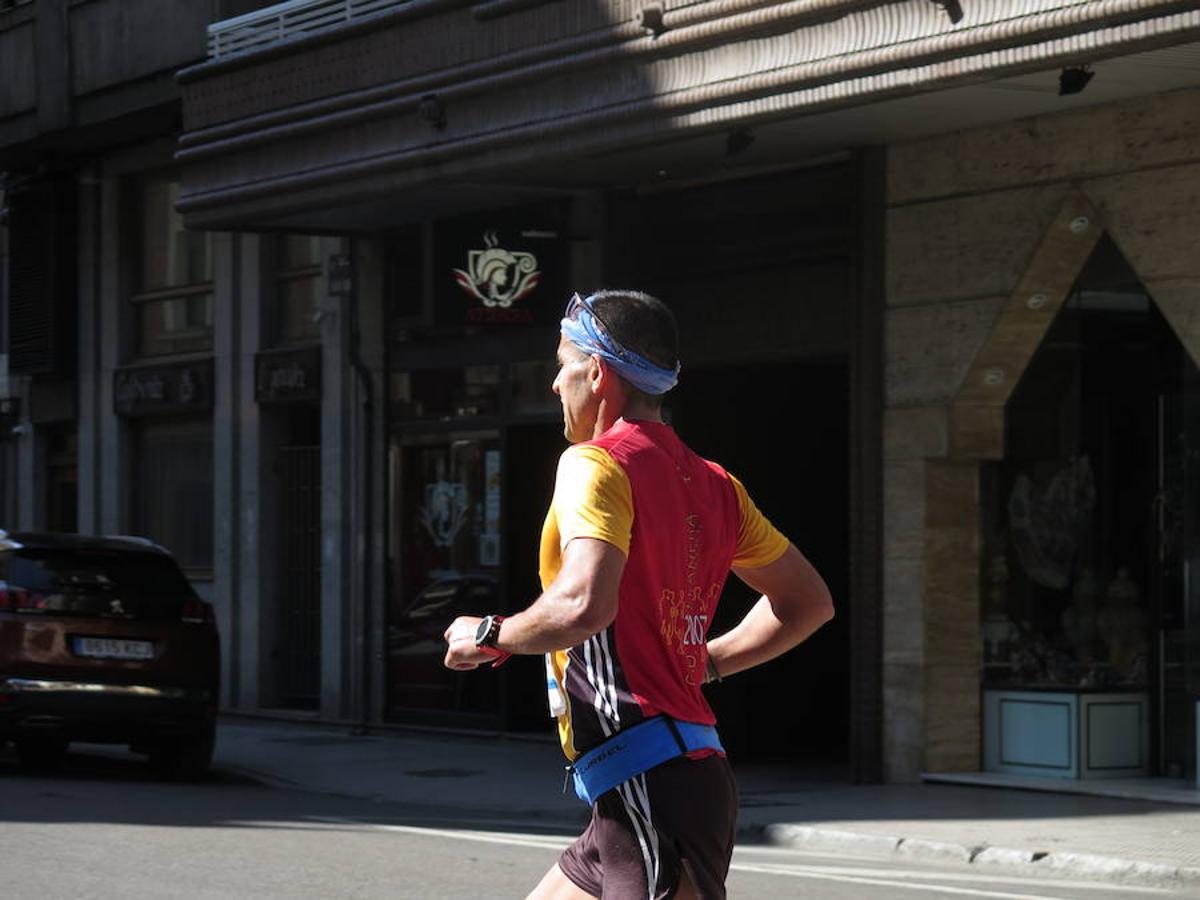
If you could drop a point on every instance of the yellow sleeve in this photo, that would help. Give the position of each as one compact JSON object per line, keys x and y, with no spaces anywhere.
{"x":592,"y":498}
{"x":759,"y":542}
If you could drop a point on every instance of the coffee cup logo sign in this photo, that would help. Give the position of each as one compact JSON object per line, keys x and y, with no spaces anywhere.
{"x":498,"y":278}
{"x":445,"y":511}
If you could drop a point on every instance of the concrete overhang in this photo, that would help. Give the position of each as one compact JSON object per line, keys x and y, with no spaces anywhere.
{"x":431,"y":111}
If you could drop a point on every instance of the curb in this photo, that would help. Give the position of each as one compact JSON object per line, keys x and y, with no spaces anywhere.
{"x":1110,"y":868}
{"x":832,"y":840}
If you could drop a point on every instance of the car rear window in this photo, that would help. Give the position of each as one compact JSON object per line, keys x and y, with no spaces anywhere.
{"x":95,"y":583}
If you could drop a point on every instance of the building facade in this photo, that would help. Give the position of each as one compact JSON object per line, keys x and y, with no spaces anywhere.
{"x":933,"y":268}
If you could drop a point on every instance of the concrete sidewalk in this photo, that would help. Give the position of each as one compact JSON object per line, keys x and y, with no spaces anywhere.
{"x":501,"y":779}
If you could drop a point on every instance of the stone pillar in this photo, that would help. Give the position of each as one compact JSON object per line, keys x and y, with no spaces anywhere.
{"x":112,"y":466}
{"x":369,"y":448}
{"x":911,"y":436}
{"x":337,"y":496}
{"x":235,"y":464}
{"x":90,"y":376}
{"x":248,"y":583}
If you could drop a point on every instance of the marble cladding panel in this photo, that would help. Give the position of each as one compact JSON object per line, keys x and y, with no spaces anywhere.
{"x":1124,"y":136}
{"x":904,"y":509}
{"x":952,"y":563}
{"x":930,"y":348}
{"x":903,"y":721}
{"x":916,"y":432}
{"x":952,"y":658}
{"x":965,"y":247}
{"x":904,"y":611}
{"x":977,"y":432}
{"x":952,"y":720}
{"x":1154,"y":218}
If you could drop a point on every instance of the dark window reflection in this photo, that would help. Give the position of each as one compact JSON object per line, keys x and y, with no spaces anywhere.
{"x":447,"y":564}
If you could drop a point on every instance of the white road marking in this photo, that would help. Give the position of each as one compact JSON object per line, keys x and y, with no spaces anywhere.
{"x":895,"y":878}
{"x":967,"y":877}
{"x":541,"y":841}
{"x":798,"y":872}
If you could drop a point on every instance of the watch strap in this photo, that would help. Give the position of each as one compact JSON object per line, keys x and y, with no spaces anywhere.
{"x":486,"y":642}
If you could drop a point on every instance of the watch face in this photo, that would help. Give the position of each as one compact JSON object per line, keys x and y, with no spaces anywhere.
{"x":484,"y":627}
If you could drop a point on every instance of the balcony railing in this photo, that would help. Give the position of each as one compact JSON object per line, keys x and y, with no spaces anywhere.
{"x":287,"y":21}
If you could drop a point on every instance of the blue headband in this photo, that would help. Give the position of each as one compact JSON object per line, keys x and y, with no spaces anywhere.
{"x":581,"y":330}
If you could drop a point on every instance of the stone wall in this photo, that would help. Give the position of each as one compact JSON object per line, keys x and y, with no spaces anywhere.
{"x":987,"y":231}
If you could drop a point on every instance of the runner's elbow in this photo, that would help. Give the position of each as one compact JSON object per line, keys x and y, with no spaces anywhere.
{"x":807,"y":610}
{"x":596,"y":615}
{"x":821,"y":606}
{"x":590,"y":613}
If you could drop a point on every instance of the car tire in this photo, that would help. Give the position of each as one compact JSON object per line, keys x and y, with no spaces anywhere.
{"x":41,"y":754}
{"x":186,"y":758}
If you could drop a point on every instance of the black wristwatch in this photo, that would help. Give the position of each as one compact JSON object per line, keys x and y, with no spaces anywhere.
{"x":488,"y":632}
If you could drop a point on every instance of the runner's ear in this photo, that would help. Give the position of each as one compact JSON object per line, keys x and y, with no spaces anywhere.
{"x":598,"y":372}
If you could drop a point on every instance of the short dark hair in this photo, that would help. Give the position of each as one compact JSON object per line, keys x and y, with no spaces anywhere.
{"x":640,"y":323}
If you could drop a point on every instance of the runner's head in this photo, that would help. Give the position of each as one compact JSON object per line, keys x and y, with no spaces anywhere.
{"x":633,"y":333}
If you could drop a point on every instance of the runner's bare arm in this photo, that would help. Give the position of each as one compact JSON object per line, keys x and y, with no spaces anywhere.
{"x":580,"y":602}
{"x":795,"y":602}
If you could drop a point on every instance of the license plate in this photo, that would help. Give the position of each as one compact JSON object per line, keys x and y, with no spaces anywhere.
{"x":113,"y":648}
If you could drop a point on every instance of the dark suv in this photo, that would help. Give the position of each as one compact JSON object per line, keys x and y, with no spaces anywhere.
{"x":104,"y":640}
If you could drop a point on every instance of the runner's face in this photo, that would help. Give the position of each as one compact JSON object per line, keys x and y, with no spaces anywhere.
{"x":573,"y":384}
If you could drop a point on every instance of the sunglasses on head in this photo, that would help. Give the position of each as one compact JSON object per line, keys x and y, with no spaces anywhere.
{"x":578,"y":304}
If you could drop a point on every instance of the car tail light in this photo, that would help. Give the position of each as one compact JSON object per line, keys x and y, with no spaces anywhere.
{"x":197,"y":612}
{"x":12,"y":598}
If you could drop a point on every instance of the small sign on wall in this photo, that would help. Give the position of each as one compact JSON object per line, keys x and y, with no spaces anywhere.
{"x":288,"y":376}
{"x":163,"y":390}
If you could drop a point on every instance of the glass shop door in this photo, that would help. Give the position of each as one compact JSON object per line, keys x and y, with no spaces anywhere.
{"x":1177,"y":524}
{"x":446,"y":561}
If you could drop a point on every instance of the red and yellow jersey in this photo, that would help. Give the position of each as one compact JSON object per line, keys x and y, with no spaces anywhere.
{"x":682,"y":522}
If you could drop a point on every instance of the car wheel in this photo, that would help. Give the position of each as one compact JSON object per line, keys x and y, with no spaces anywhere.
{"x":41,"y":754}
{"x":186,"y":757}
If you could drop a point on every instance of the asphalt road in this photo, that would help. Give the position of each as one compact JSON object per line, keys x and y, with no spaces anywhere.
{"x":104,"y":827}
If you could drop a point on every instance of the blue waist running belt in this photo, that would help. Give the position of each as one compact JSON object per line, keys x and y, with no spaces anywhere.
{"x":629,"y":753}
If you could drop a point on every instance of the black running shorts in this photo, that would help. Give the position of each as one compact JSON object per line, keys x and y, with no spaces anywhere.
{"x":679,"y":817}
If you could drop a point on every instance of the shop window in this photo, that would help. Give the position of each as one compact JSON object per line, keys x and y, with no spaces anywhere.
{"x":447,"y":495}
{"x":298,"y":277}
{"x":173,"y":490}
{"x":531,"y":393}
{"x":467,"y":392}
{"x":173,"y":303}
{"x":1090,"y":519}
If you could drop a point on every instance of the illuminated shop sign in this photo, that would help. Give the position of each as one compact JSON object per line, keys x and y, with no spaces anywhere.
{"x":496,"y":276}
{"x":504,"y":270}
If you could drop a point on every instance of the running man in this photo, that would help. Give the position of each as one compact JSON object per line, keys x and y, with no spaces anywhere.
{"x":638,"y":542}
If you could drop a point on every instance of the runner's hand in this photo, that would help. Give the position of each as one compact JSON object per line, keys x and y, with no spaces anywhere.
{"x":462,"y":655}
